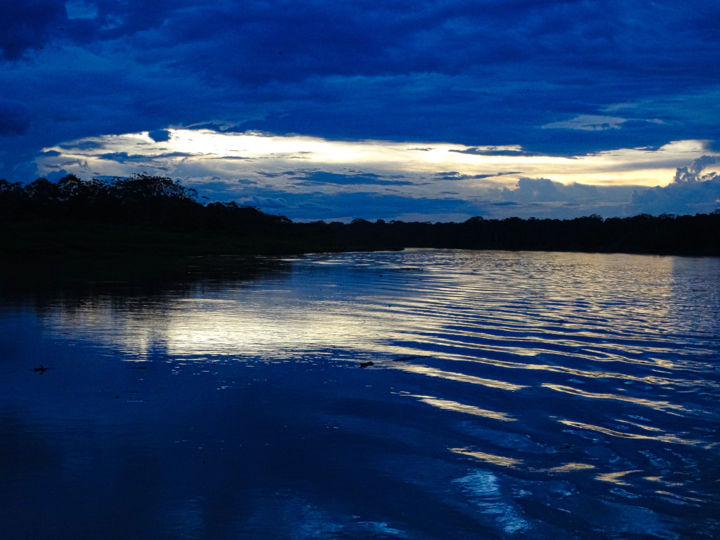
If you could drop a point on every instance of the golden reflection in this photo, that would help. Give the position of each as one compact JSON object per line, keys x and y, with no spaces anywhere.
{"x":659,"y":480}
{"x":649,"y":379}
{"x":448,"y":405}
{"x":453,"y":376}
{"x":569,"y":467}
{"x":679,"y":497}
{"x":662,"y":438}
{"x":489,"y":458}
{"x":657,"y":405}
{"x":637,"y":424}
{"x":261,"y":322}
{"x":616,"y":477}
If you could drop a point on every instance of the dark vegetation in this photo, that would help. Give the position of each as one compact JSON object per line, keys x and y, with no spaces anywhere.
{"x":156,"y":217}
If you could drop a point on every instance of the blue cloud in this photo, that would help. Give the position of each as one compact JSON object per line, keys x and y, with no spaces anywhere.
{"x":353,"y":179}
{"x":159,"y":135}
{"x":14,"y":117}
{"x":694,"y":198}
{"x":543,"y":190}
{"x":454,"y":175}
{"x":124,"y":157}
{"x":475,"y":151}
{"x":28,"y":25}
{"x":476,"y":73}
{"x":691,"y":192}
{"x":364,"y":205}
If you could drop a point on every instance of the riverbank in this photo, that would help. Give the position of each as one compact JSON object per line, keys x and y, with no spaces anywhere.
{"x":153,"y":217}
{"x":40,"y":239}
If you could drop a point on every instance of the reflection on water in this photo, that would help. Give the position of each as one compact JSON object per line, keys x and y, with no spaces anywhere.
{"x":500,"y":461}
{"x":425,"y":393}
{"x":657,"y":405}
{"x":460,"y":407}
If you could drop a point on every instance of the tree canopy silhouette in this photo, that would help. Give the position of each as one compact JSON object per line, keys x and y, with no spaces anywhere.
{"x":155,"y":213}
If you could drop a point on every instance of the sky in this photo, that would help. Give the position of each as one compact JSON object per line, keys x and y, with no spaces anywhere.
{"x":317,"y":109}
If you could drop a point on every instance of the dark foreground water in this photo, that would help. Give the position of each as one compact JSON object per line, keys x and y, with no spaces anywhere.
{"x":528,"y":395}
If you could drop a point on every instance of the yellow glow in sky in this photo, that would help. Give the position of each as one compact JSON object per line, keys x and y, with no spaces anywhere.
{"x":219,"y":154}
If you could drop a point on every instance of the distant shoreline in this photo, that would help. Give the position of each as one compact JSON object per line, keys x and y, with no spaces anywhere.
{"x":153,"y":218}
{"x":55,"y":240}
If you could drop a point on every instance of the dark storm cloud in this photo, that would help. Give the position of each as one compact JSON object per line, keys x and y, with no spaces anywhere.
{"x":286,"y":40}
{"x":293,"y":40}
{"x":28,"y":24}
{"x":14,"y":117}
{"x":478,"y":73}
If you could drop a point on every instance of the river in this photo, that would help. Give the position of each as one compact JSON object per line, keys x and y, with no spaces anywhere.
{"x":411,"y":394}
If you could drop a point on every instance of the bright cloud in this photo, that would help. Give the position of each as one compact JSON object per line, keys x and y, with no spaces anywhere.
{"x":282,"y":172}
{"x":250,"y":153}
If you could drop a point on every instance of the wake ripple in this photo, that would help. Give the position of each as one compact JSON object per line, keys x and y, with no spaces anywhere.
{"x":593,"y":360}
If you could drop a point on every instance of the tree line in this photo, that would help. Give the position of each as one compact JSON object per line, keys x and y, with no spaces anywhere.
{"x":158,"y":214}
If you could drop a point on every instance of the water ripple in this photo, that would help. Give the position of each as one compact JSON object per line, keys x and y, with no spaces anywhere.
{"x":578,"y":383}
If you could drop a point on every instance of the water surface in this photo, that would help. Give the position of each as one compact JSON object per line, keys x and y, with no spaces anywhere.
{"x":414,"y":394}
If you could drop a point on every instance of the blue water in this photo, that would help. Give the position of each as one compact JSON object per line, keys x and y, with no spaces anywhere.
{"x":522,"y":395}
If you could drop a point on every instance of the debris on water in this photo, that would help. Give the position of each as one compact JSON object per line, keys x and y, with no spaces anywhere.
{"x":366,"y":364}
{"x":406,"y":358}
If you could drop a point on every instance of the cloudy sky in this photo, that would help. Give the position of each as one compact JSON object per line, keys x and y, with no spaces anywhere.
{"x":413,"y":110}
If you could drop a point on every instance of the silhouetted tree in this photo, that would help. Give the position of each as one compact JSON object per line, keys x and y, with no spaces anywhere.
{"x":164,"y":206}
